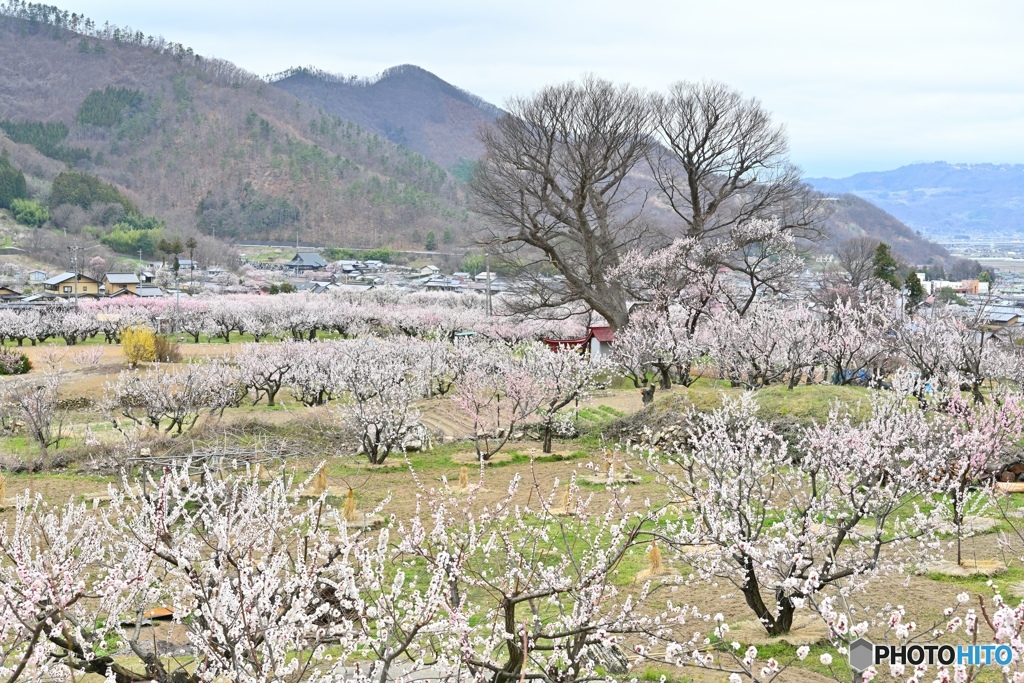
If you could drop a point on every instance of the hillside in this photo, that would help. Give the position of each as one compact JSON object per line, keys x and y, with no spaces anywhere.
{"x":951,"y":200}
{"x":855,"y":217}
{"x":204,"y":145}
{"x":210,"y":149}
{"x":407,"y":104}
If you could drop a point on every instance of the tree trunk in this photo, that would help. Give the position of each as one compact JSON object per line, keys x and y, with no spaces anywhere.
{"x":773,"y":625}
{"x":664,"y":376}
{"x":547,"y":439}
{"x":648,"y":394}
{"x":684,"y":374}
{"x":784,"y":621}
{"x":510,"y":671}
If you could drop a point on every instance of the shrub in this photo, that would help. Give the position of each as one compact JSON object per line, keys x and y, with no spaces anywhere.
{"x":14,"y":363}
{"x":29,"y":212}
{"x":167,"y":350}
{"x":138,"y":343}
{"x":383,"y":254}
{"x":125,"y":240}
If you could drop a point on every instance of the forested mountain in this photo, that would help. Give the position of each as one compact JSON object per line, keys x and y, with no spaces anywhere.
{"x":943,"y":199}
{"x":202,"y":144}
{"x":409,"y":105}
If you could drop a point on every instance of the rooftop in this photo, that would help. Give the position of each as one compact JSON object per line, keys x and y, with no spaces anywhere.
{"x":122,"y":278}
{"x":309,"y":259}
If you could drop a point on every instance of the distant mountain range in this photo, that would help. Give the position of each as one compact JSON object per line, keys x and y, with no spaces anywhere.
{"x":942,"y":199}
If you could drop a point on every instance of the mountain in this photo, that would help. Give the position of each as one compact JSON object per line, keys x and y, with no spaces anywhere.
{"x":212,"y":150}
{"x":204,"y":145}
{"x":407,"y":104}
{"x":852,"y":217}
{"x":952,"y":200}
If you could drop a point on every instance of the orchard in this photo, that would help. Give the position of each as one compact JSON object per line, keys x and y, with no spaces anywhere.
{"x":391,"y":486}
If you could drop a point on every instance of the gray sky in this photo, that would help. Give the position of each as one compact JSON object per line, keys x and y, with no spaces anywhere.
{"x":861,"y":85}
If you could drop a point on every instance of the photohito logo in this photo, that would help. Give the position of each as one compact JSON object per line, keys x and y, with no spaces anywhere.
{"x":864,"y":653}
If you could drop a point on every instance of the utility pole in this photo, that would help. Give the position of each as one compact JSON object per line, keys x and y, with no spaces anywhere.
{"x":74,"y":267}
{"x":487,"y":268}
{"x":177,"y":303}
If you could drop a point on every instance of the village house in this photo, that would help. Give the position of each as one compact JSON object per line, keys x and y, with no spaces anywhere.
{"x":70,"y":285}
{"x":117,"y":282}
{"x":997,"y":317}
{"x":36,"y":275}
{"x":304,"y":261}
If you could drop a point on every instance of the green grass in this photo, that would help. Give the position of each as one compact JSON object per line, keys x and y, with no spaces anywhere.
{"x":811,"y":403}
{"x":801,"y":405}
{"x":18,"y":445}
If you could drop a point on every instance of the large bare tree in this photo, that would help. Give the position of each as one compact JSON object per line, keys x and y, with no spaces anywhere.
{"x":722,"y":166}
{"x":552,"y":187}
{"x":562,"y":182}
{"x":722,"y":162}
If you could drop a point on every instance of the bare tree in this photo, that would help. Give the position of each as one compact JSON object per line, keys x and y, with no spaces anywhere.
{"x":723,"y":162}
{"x":552,"y":188}
{"x":855,"y":258}
{"x":560,"y":184}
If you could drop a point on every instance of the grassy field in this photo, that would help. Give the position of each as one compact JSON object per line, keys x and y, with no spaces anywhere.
{"x":305,"y":438}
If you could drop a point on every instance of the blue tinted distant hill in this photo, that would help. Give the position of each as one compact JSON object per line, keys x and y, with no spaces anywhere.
{"x":943,"y":199}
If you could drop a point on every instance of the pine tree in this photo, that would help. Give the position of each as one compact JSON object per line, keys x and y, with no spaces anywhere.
{"x":885,"y":265}
{"x":430,"y":243}
{"x":915,"y":291}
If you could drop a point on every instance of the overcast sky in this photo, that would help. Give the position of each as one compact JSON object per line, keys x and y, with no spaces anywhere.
{"x":861,"y":85}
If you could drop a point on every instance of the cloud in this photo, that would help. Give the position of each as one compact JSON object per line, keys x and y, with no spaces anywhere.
{"x":860,"y":86}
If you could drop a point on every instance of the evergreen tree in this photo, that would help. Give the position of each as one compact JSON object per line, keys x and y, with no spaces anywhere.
{"x":165,"y":248}
{"x":915,"y":291}
{"x":84,"y":190}
{"x":430,"y":243}
{"x":885,"y":265}
{"x":12,"y":182}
